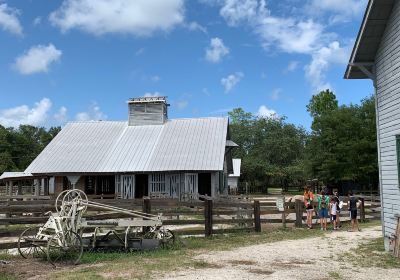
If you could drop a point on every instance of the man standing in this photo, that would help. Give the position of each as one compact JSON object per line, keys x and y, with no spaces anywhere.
{"x":308,"y":203}
{"x":323,"y":202}
{"x":353,"y":205}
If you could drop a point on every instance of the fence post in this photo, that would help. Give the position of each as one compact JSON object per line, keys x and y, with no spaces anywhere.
{"x":146,"y":209}
{"x":257,"y":218}
{"x":299,"y":213}
{"x":362,"y":210}
{"x":284,"y":215}
{"x":208,"y":217}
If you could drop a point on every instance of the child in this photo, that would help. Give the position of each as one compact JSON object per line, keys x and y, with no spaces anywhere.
{"x":334,"y":205}
{"x":308,"y":203}
{"x":323,"y":202}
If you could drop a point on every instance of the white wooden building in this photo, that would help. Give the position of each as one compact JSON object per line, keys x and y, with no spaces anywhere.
{"x":376,"y":56}
{"x":147,"y":155}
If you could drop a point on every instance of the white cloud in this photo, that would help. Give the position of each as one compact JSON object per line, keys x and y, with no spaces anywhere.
{"x":37,"y":115}
{"x":292,"y":66}
{"x":216,"y":51}
{"x":264,"y":112}
{"x":301,"y":35}
{"x":155,"y":78}
{"x":61,"y":115}
{"x":276,"y":94}
{"x":93,"y":114}
{"x":9,"y":19}
{"x":231,"y":81}
{"x":195,"y":26}
{"x":321,"y":59}
{"x":37,"y":21}
{"x":152,"y":94}
{"x":37,"y":59}
{"x":139,"y":17}
{"x":339,"y":10}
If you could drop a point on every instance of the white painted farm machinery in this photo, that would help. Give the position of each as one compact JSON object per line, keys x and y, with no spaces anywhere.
{"x":63,"y":238}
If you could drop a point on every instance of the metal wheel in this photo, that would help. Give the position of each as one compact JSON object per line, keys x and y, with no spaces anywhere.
{"x":59,"y":200}
{"x":29,"y":246}
{"x":167,"y":237}
{"x":67,"y":250}
{"x":67,"y":198}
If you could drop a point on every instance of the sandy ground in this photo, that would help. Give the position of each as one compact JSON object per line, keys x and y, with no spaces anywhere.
{"x":314,"y":258}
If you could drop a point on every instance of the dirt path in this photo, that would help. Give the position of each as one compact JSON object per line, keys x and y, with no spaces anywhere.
{"x":314,"y":258}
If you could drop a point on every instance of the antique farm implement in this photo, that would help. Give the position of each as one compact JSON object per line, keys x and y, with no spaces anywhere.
{"x":65,"y":234}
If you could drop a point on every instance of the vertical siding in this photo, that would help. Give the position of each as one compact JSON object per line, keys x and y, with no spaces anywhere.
{"x":388,"y":119}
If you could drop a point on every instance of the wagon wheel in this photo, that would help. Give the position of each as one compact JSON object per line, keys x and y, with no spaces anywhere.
{"x":59,"y":200}
{"x":67,"y":250}
{"x":28,"y":244}
{"x":67,"y":198}
{"x":167,"y":237}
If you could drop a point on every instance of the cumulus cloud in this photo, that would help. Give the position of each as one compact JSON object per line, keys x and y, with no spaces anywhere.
{"x":139,"y":17}
{"x":300,"y":35}
{"x":37,"y":59}
{"x":231,"y":81}
{"x":339,"y":10}
{"x":9,"y":19}
{"x":93,"y":114}
{"x":36,"y":115}
{"x":321,"y":59}
{"x":216,"y":51}
{"x":264,"y":112}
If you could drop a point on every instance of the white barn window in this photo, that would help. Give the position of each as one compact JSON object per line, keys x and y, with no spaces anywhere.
{"x":157,"y":183}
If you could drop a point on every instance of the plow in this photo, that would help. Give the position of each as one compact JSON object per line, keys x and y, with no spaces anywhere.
{"x":66,"y":234}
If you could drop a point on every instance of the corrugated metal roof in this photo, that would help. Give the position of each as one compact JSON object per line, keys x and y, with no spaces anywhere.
{"x":100,"y":147}
{"x":237,"y":162}
{"x":15,"y":175}
{"x":369,"y":38}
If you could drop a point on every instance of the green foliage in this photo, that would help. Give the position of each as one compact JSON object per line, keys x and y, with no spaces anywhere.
{"x":322,"y":103}
{"x":18,"y":147}
{"x":342,"y":145}
{"x":271,"y":150}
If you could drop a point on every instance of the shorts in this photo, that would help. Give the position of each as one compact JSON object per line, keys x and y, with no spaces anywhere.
{"x":323,"y":213}
{"x":353,"y":214}
{"x":333,"y":217}
{"x":309,"y":207}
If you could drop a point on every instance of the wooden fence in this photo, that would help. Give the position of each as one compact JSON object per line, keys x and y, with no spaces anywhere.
{"x":205,"y":217}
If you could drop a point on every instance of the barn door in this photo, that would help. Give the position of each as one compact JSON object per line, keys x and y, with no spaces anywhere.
{"x":174,"y":182}
{"x":127,"y":186}
{"x":191,"y":186}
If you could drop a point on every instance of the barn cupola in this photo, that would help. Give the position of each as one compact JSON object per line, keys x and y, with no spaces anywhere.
{"x":148,"y":110}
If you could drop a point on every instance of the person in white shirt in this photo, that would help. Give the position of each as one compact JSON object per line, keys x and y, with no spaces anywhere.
{"x":334,"y":211}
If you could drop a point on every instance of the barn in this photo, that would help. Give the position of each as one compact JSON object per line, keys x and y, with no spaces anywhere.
{"x":376,"y":56}
{"x":147,"y":155}
{"x":233,"y":179}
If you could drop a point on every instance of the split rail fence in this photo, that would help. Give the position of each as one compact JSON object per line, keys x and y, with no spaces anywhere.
{"x":202,"y":217}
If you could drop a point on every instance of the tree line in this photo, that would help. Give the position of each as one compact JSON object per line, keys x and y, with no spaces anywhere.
{"x":20,"y":146}
{"x":340,"y":147}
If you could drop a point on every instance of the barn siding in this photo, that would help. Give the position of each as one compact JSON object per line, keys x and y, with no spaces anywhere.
{"x":388,"y":119}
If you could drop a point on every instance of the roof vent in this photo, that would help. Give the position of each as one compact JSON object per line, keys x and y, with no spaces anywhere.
{"x":147,"y":110}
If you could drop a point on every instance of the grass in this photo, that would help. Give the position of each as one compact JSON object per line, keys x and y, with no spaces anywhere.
{"x":372,"y":254}
{"x":142,"y":265}
{"x":334,"y":275}
{"x":7,"y":276}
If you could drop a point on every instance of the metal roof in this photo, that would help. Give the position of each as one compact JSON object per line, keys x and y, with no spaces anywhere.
{"x":369,"y":38}
{"x":15,"y":175}
{"x":237,"y":162}
{"x":105,"y":146}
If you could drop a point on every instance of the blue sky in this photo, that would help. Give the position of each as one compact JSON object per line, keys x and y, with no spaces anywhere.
{"x":82,"y":59}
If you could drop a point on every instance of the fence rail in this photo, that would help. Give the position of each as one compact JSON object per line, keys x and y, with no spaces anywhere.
{"x":205,"y":217}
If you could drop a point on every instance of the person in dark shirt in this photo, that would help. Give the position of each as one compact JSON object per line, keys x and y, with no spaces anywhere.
{"x":353,"y":205}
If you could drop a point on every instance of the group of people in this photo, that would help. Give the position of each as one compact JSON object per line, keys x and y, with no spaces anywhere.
{"x":330,"y":206}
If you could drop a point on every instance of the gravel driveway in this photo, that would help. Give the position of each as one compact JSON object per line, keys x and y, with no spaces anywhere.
{"x":313,"y":258}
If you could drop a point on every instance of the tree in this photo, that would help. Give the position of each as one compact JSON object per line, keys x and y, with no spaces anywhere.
{"x":322,"y":103}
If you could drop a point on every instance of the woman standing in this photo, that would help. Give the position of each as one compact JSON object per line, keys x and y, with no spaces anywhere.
{"x":308,"y":203}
